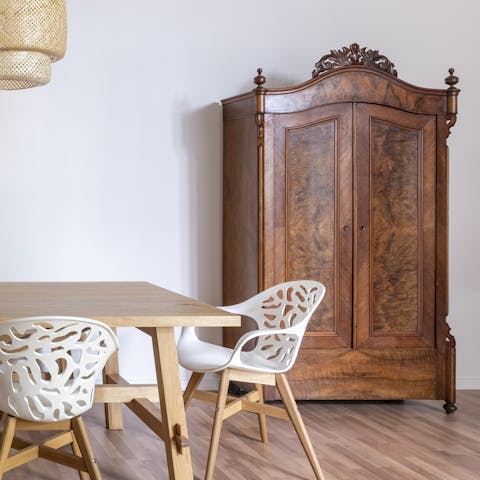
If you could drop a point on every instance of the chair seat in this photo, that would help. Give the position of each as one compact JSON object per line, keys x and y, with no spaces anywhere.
{"x":204,"y":357}
{"x":207,"y":357}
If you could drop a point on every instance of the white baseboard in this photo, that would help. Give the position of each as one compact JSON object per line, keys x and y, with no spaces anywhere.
{"x":472,"y":383}
{"x":210,"y":382}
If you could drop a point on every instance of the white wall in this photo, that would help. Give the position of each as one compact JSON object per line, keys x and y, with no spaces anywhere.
{"x":113,"y":170}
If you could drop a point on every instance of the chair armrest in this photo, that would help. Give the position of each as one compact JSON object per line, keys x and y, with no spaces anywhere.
{"x":246,"y":337}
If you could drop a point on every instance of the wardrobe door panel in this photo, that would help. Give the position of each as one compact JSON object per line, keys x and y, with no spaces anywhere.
{"x":395,"y":198}
{"x":312,"y":231}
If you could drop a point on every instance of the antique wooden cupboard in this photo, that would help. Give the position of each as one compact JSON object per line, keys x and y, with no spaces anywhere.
{"x":343,"y":179}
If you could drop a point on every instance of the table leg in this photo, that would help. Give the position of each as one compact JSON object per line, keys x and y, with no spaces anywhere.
{"x":113,"y":411}
{"x":171,"y":404}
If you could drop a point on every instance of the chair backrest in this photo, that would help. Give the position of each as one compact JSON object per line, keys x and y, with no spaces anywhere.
{"x":288,"y":305}
{"x":48,"y":365}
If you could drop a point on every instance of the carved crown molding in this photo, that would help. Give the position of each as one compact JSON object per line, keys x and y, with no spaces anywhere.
{"x":354,"y":55}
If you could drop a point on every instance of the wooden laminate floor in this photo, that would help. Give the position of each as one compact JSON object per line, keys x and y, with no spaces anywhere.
{"x":412,"y":440}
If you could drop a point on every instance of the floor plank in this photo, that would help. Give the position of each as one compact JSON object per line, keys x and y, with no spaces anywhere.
{"x":412,"y":440}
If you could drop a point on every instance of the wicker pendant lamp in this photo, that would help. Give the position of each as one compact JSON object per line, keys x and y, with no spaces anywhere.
{"x":33,"y":34}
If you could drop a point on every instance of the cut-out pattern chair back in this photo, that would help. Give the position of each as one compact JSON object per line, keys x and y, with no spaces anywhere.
{"x":48,"y":365}
{"x":285,"y":310}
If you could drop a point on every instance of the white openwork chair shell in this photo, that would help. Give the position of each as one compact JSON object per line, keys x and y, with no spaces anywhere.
{"x":48,"y":367}
{"x":281,"y":314}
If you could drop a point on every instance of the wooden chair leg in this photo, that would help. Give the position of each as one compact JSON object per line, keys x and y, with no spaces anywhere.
{"x":291,"y":406}
{"x":85,"y":448}
{"x":6,"y":442}
{"x":217,"y":424}
{"x":192,"y":386}
{"x":76,"y":450}
{"x":262,"y":418}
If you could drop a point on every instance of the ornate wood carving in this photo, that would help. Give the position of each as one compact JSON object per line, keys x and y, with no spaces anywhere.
{"x":451,"y":121}
{"x":450,"y":364}
{"x":354,"y":55}
{"x":449,"y":338}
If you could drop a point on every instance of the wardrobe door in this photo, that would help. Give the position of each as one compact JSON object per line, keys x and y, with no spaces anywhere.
{"x":308,"y":213}
{"x":395,"y":157}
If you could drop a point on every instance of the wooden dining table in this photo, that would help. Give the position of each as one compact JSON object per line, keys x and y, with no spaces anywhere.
{"x":149,"y":308}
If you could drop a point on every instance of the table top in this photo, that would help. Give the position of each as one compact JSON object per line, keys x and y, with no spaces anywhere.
{"x":119,"y":304}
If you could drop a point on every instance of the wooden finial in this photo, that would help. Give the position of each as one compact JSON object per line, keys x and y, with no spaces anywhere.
{"x":451,"y":80}
{"x":259,"y":80}
{"x":452,"y":94}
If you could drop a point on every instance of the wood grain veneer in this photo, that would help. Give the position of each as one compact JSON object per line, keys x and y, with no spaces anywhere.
{"x":119,"y":304}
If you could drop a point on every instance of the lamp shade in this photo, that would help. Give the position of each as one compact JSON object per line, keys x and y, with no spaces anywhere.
{"x":33,"y":34}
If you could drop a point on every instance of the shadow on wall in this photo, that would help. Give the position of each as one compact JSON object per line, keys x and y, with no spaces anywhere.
{"x":198,"y":136}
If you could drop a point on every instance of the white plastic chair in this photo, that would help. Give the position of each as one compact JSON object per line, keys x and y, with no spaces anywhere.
{"x":48,"y":367}
{"x":281,"y":314}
